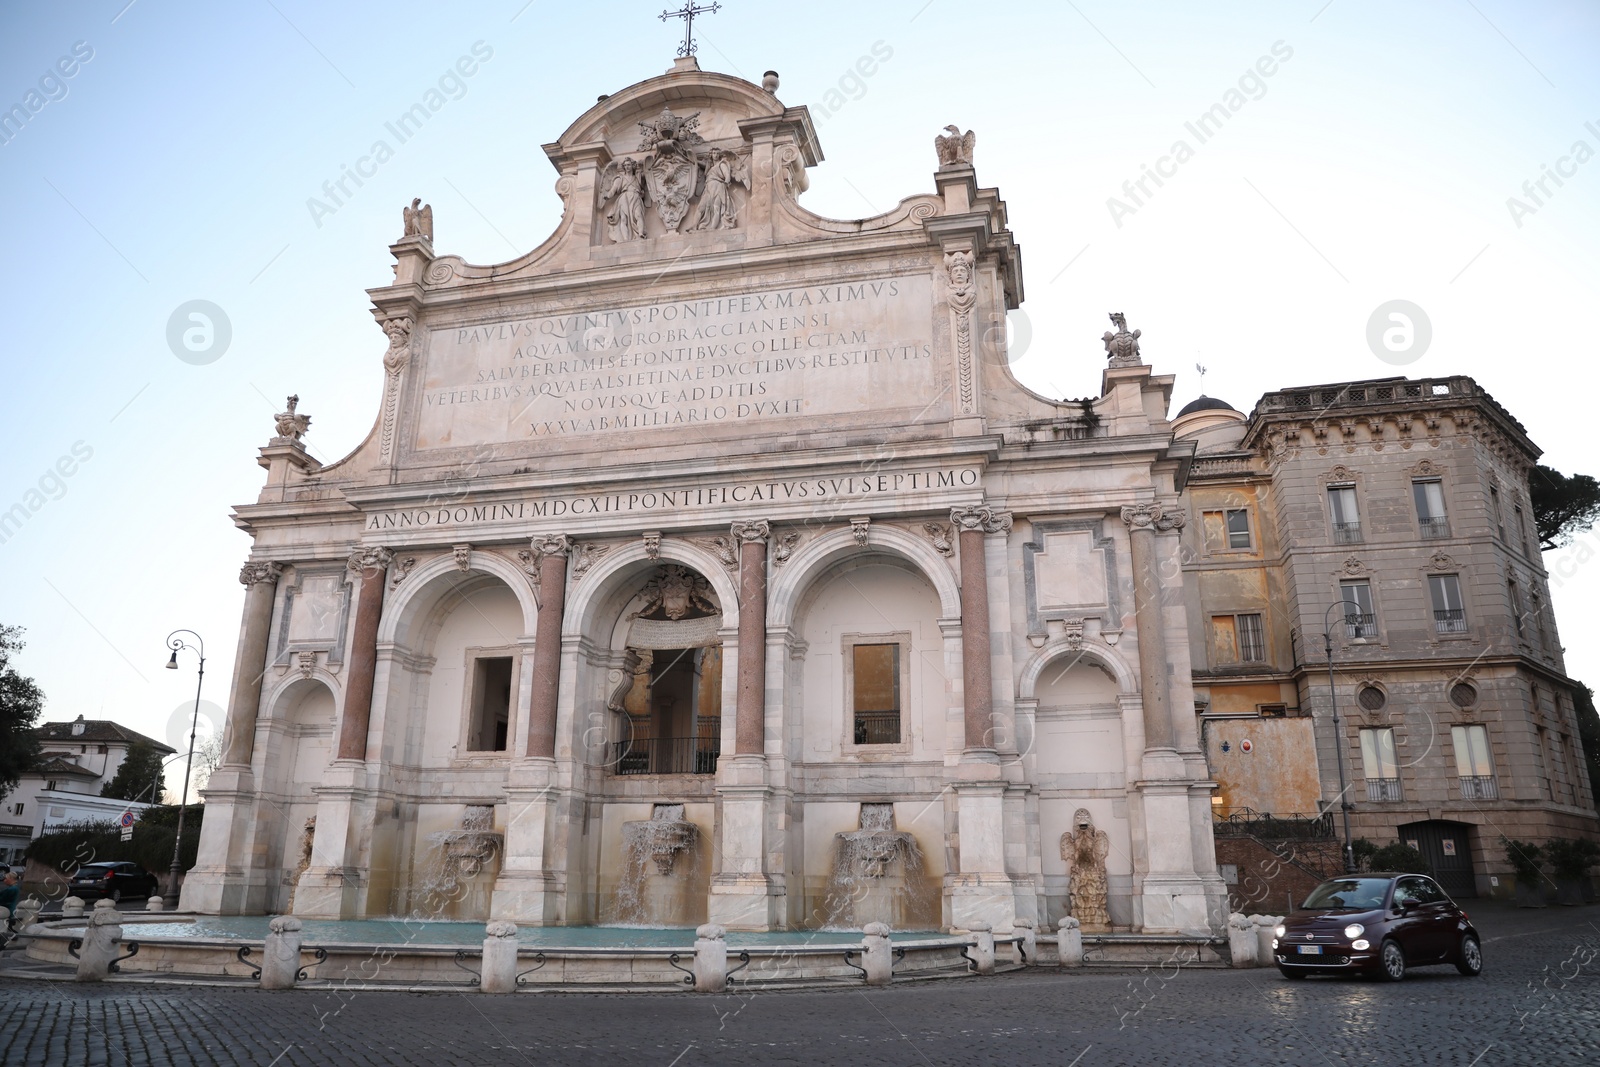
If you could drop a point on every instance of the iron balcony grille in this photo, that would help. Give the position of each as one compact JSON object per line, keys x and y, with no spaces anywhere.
{"x":1450,"y":621}
{"x":1434,"y":529}
{"x":877,"y":728}
{"x":1360,"y":625}
{"x":1346,"y":533}
{"x":1383,"y":789}
{"x":665,"y":755}
{"x":1479,"y":787}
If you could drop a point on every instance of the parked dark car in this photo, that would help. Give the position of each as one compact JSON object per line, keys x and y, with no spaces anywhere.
{"x":112,"y":879}
{"x":1379,"y":924}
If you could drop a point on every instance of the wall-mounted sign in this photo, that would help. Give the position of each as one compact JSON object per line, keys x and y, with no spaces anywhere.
{"x":1245,"y":745}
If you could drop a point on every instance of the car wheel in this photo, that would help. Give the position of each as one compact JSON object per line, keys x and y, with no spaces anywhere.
{"x":1287,"y":973}
{"x":1469,"y":957}
{"x":1392,"y":961}
{"x":116,"y":895}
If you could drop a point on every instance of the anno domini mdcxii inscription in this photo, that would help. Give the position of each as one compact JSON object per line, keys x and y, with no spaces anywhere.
{"x":753,"y":359}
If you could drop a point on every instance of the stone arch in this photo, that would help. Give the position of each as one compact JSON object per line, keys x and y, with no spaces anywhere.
{"x":412,"y":603}
{"x":600,"y":589}
{"x":814,"y":560}
{"x":1126,"y":679}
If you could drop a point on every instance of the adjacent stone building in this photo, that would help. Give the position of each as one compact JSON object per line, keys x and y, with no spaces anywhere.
{"x":708,"y":562}
{"x":1392,"y":515}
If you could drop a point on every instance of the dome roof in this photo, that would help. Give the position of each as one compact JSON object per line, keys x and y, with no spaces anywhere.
{"x":1204,"y":403}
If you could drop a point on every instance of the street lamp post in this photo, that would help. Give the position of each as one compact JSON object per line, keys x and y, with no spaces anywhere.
{"x":177,"y":644}
{"x":1338,"y":734}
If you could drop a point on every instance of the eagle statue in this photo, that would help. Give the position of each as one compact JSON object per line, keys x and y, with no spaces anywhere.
{"x":956,"y":149}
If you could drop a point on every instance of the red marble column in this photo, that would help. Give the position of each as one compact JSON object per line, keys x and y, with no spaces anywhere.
{"x":750,"y":725}
{"x":977,"y":683}
{"x":260,"y":581}
{"x":543,"y":702}
{"x":370,"y":565}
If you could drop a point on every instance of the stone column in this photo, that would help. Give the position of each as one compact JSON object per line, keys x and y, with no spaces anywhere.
{"x":750,"y":723}
{"x":368,"y":566}
{"x":542,"y":702}
{"x":977,"y":684}
{"x":260,"y":581}
{"x":1143,"y":521}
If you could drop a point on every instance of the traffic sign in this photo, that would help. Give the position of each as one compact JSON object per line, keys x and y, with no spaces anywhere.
{"x":126,"y":822}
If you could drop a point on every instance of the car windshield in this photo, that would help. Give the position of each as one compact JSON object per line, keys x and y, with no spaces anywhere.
{"x":1357,"y":894}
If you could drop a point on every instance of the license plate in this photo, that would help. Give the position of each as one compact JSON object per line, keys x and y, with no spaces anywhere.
{"x":1310,"y":950}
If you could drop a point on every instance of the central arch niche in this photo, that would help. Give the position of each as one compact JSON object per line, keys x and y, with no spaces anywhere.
{"x":669,"y":702}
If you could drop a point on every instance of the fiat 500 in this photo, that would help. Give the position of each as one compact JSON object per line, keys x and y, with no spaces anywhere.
{"x":1378,"y":924}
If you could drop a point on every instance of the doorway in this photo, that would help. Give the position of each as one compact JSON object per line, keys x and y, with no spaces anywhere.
{"x":1447,"y":846}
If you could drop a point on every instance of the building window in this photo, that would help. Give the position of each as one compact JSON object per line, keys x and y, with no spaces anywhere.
{"x":875,"y":694}
{"x":491,"y":704}
{"x":1238,"y":639}
{"x":1522,"y":530}
{"x":1379,"y":763}
{"x":1227,"y":529}
{"x":1273,"y":711}
{"x":1473,"y":767}
{"x":1428,"y":493}
{"x":1238,"y":527}
{"x":1515,"y":593}
{"x":19,"y":807}
{"x":50,"y":785}
{"x":1344,"y":514}
{"x":1540,"y":763}
{"x":1359,"y":621}
{"x":1538,"y":619}
{"x":1449,"y":616}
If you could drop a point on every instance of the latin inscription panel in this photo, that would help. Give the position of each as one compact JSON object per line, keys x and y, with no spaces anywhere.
{"x":760,"y":360}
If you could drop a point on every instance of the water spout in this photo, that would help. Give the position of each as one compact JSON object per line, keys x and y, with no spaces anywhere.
{"x":878,"y":875}
{"x":661,"y":842}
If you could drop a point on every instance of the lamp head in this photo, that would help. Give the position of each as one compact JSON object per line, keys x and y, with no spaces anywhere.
{"x":172,"y":664}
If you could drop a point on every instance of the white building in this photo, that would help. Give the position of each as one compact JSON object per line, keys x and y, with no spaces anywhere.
{"x":76,"y":760}
{"x":717,"y":534}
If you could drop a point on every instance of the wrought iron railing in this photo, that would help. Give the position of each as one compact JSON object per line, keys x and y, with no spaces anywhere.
{"x":1434,"y":529}
{"x":877,"y":728}
{"x":1479,"y":787}
{"x":1246,"y":822}
{"x":664,"y":755}
{"x":1347,"y":533}
{"x":1359,"y":625}
{"x":1383,"y":789}
{"x":1450,"y":621}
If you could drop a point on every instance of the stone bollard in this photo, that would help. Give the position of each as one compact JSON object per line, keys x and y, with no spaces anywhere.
{"x":280,"y":955}
{"x":100,"y":941}
{"x":1069,"y":942}
{"x":499,"y":958}
{"x":710,"y":959}
{"x":983,"y":950}
{"x":1266,"y":933}
{"x":72,"y":908}
{"x":876,"y":955}
{"x":1029,"y":946}
{"x":27,"y":914}
{"x":1241,"y":941}
{"x":155,"y":903}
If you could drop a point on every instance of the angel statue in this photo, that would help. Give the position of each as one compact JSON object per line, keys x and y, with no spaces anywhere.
{"x":418,"y":220}
{"x":622,"y":186}
{"x":1085,"y":850}
{"x":717,"y":209}
{"x":955,"y":149}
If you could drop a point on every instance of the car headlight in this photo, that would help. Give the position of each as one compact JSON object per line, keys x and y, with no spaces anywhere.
{"x":1280,"y":930}
{"x":1354,"y":930}
{"x":1360,"y":944}
{"x":1274,"y":943}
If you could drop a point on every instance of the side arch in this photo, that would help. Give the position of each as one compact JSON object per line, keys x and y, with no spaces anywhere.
{"x":814,"y":559}
{"x":412,"y":602}
{"x":597,"y":589}
{"x":1127,"y":680}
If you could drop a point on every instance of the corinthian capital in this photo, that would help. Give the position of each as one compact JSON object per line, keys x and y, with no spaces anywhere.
{"x":1172,"y":520}
{"x":254,"y":573}
{"x":981,"y":520}
{"x":754,"y":530}
{"x":368,"y":558}
{"x":551,"y":545}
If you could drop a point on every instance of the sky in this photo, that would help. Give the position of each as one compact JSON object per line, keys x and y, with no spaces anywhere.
{"x":1372,"y":154}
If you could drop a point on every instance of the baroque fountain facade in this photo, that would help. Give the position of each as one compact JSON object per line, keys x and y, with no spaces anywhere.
{"x":707,"y":563}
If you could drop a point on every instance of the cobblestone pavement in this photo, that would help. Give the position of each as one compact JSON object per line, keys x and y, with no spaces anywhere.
{"x":1538,"y":1002}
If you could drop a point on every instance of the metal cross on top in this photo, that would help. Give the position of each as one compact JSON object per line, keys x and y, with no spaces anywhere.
{"x":687,"y":14}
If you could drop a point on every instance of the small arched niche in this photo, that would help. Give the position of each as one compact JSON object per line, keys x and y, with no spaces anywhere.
{"x":668,"y":702}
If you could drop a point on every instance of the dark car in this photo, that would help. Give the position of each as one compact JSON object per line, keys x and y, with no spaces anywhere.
{"x":112,"y":879}
{"x":1377,"y":924}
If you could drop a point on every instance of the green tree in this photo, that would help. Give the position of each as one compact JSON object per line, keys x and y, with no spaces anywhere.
{"x":20,"y":705}
{"x":140,"y":767}
{"x":1562,"y":506}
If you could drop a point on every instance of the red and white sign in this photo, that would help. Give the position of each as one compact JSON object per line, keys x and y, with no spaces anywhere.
{"x":1245,"y":745}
